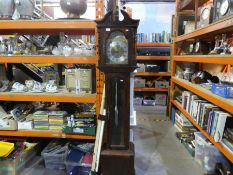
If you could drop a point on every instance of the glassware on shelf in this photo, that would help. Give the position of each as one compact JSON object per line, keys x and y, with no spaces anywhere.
{"x":6,"y":9}
{"x":188,"y":73}
{"x":3,"y":47}
{"x":24,"y":9}
{"x":217,"y":49}
{"x":224,"y":44}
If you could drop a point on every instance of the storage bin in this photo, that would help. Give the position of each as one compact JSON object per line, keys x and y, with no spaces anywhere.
{"x":225,"y":91}
{"x":15,"y":166}
{"x":54,"y":155}
{"x":160,"y":99}
{"x":148,"y":102}
{"x":137,"y":101}
{"x":139,"y":83}
{"x":74,"y":168}
{"x":207,"y":154}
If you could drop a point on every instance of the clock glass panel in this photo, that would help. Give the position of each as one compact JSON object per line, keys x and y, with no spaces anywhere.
{"x":117,"y":48}
{"x":117,"y":109}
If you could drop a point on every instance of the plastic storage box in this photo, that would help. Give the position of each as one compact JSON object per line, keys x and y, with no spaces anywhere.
{"x":225,"y":91}
{"x":74,"y":168}
{"x":206,"y":154}
{"x":55,"y":155}
{"x":15,"y":166}
{"x":137,"y":101}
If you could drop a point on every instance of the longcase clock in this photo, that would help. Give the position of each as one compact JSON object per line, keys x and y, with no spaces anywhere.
{"x":117,"y":59}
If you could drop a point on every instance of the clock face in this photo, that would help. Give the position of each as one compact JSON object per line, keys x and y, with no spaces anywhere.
{"x":224,"y":7}
{"x":117,"y":48}
{"x":205,"y":13}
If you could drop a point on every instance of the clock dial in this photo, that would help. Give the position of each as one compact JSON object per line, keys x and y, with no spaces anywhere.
{"x":224,"y":7}
{"x":205,"y":13}
{"x":117,"y":48}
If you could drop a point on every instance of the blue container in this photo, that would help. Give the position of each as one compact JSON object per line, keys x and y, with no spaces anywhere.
{"x":221,"y":90}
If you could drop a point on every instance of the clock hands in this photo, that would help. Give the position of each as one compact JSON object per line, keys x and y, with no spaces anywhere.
{"x":116,"y":106}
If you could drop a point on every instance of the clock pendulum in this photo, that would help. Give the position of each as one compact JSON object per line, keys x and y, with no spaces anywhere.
{"x":116,"y":107}
{"x":117,"y":60}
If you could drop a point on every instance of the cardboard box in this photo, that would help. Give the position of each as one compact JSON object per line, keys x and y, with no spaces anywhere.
{"x":160,"y":99}
{"x":79,"y":80}
{"x":161,"y":84}
{"x":141,"y":68}
{"x":26,"y":123}
{"x":139,"y":83}
{"x":7,"y":122}
{"x":189,"y":27}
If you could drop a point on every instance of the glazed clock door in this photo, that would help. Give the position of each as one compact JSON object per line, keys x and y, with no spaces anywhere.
{"x":117,"y":48}
{"x":118,"y":110}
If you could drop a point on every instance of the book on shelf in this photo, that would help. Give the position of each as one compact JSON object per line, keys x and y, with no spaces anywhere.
{"x":227,"y":144}
{"x":193,"y":97}
{"x":228,"y":133}
{"x":154,"y":37}
{"x":211,"y":119}
{"x":206,"y":115}
{"x":222,"y":117}
{"x":182,"y":123}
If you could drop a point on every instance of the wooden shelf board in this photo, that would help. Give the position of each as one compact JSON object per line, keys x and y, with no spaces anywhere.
{"x":46,"y":26}
{"x":152,"y":74}
{"x":217,"y":27}
{"x":153,"y":58}
{"x":48,"y":97}
{"x":190,"y":4}
{"x":150,"y":89}
{"x":226,"y":104}
{"x":153,"y":44}
{"x":207,"y":135}
{"x":214,"y":59}
{"x":48,"y":59}
{"x":41,"y":133}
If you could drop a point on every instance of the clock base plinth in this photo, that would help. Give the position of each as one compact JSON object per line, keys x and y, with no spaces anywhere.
{"x":118,"y":162}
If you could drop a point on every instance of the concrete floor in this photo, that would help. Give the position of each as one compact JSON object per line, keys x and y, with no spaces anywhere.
{"x":157,"y":150}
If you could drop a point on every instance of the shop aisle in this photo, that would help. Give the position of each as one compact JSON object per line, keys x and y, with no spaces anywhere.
{"x":157,"y":150}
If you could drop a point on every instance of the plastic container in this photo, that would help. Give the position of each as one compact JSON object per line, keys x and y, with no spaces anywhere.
{"x":207,"y":154}
{"x":15,"y":166}
{"x":137,"y":101}
{"x":225,"y":91}
{"x":74,"y":168}
{"x":55,"y":155}
{"x":148,"y":102}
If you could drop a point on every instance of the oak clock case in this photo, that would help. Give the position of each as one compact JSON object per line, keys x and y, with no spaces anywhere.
{"x":222,"y":9}
{"x":117,"y":59}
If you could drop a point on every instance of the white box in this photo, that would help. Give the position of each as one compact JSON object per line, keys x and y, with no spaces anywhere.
{"x":79,"y":80}
{"x":160,"y":99}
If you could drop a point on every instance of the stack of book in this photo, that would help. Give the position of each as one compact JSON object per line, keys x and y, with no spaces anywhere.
{"x":154,"y":37}
{"x":227,"y":141}
{"x":56,"y":119}
{"x":210,"y":117}
{"x":41,"y":120}
{"x":182,"y":124}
